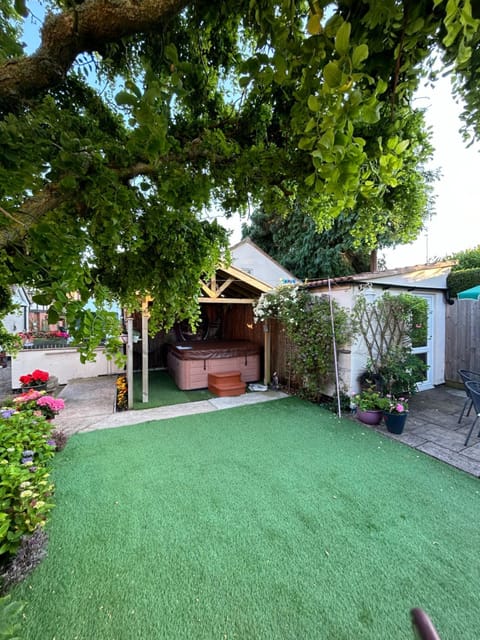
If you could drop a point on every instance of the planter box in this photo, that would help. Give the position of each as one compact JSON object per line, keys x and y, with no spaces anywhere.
{"x":64,"y":364}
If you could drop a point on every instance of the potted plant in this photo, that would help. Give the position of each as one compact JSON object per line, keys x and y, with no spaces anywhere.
{"x":36,"y":380}
{"x":400,"y":371}
{"x":369,"y":406}
{"x":395,"y":415}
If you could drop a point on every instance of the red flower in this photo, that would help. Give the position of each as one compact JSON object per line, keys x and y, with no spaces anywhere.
{"x":40,"y":376}
{"x":35,"y":378}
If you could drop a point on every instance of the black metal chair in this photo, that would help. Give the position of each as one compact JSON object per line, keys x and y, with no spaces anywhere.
{"x":422,"y":625}
{"x":467,"y":376}
{"x":473,"y":390}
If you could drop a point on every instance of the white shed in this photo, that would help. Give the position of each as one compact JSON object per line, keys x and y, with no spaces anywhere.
{"x":428,"y":281}
{"x":248,"y":257}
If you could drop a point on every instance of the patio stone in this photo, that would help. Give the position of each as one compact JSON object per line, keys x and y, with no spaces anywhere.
{"x":450,"y":457}
{"x":472,"y":452}
{"x":444,"y":437}
{"x":432,"y":427}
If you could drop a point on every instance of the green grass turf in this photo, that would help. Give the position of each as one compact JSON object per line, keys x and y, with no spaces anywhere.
{"x":163,"y":391}
{"x":271,"y":521}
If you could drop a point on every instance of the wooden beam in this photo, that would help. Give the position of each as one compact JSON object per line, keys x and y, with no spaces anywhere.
{"x":130,"y":361}
{"x":145,"y":317}
{"x":267,"y":344}
{"x":226,"y":284}
{"x":210,"y":293}
{"x":213,"y":291}
{"x":228,"y":300}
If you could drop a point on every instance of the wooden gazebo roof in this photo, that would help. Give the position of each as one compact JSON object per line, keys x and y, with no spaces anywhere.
{"x":232,"y":285}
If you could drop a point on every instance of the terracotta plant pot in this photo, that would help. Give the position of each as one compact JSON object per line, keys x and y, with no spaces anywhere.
{"x":395,"y":422}
{"x":372,"y":416}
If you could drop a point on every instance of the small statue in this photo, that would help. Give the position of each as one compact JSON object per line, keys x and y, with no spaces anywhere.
{"x":274,"y":384}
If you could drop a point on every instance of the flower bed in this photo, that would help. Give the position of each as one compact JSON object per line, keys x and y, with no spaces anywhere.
{"x":26,"y":448}
{"x":27,"y":443}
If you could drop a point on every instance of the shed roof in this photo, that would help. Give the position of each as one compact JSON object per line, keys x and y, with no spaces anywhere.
{"x":424,"y":276}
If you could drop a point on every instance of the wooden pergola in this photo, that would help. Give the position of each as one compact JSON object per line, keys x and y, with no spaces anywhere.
{"x":229,"y":285}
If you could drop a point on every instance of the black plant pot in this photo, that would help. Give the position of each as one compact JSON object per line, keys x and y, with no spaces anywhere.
{"x":395,"y":422}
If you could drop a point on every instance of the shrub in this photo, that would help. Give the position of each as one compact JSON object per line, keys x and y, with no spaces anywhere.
{"x":461,"y":280}
{"x":26,"y":449}
{"x":31,"y":552}
{"x":307,"y":320}
{"x":37,"y":401}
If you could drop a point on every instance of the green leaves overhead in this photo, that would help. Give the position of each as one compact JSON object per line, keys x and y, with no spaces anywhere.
{"x":202,"y":105}
{"x":342,"y":39}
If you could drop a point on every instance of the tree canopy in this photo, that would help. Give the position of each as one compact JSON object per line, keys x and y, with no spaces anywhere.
{"x":133,"y":118}
{"x":297,"y":245}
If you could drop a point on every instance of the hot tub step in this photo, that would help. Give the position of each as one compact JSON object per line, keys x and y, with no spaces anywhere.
{"x":228,"y":383}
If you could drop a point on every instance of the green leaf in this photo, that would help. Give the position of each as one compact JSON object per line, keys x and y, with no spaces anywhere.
{"x":402,"y":146}
{"x":21,"y":8}
{"x":125,"y":98}
{"x":314,"y":25}
{"x":305,"y":143}
{"x":415,"y":26}
{"x":171,"y":53}
{"x":332,"y":75}
{"x":342,"y":39}
{"x":69,"y":183}
{"x":42,"y":298}
{"x":360,"y":54}
{"x":313,"y":103}
{"x":53,"y":316}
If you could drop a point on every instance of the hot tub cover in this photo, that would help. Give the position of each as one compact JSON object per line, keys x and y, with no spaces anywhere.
{"x":206,"y":350}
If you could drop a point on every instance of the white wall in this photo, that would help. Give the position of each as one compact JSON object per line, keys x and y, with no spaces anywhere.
{"x":250,"y":259}
{"x":63,"y":363}
{"x":353,"y":364}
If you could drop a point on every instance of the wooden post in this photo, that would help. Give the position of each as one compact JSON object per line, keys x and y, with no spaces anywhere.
{"x":145,"y":317}
{"x":130,"y":361}
{"x":267,"y":341}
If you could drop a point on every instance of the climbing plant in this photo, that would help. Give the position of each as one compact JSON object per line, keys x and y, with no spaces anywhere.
{"x":391,"y":326}
{"x":307,"y":322}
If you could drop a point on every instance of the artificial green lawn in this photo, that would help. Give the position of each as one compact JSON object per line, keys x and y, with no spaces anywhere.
{"x":270,"y":521}
{"x":163,"y":391}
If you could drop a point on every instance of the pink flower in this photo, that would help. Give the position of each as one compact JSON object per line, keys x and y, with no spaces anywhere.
{"x":400,"y":408}
{"x":54,"y":404}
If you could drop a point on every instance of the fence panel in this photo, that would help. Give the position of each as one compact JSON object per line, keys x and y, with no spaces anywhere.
{"x":462,"y":343}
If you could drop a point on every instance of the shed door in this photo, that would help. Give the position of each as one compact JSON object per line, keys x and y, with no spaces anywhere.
{"x":422,"y":345}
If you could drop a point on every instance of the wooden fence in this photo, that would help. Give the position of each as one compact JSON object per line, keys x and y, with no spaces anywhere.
{"x":462,"y":341}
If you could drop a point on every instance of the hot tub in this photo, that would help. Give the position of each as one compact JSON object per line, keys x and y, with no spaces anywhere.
{"x":189,"y":363}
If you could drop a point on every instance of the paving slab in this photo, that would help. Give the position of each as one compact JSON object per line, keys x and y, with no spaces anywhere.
{"x":90,"y":405}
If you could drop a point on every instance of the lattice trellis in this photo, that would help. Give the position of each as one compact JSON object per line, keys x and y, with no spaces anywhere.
{"x":384,"y":324}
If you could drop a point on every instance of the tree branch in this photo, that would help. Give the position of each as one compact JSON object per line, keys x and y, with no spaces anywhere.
{"x":83,"y":29}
